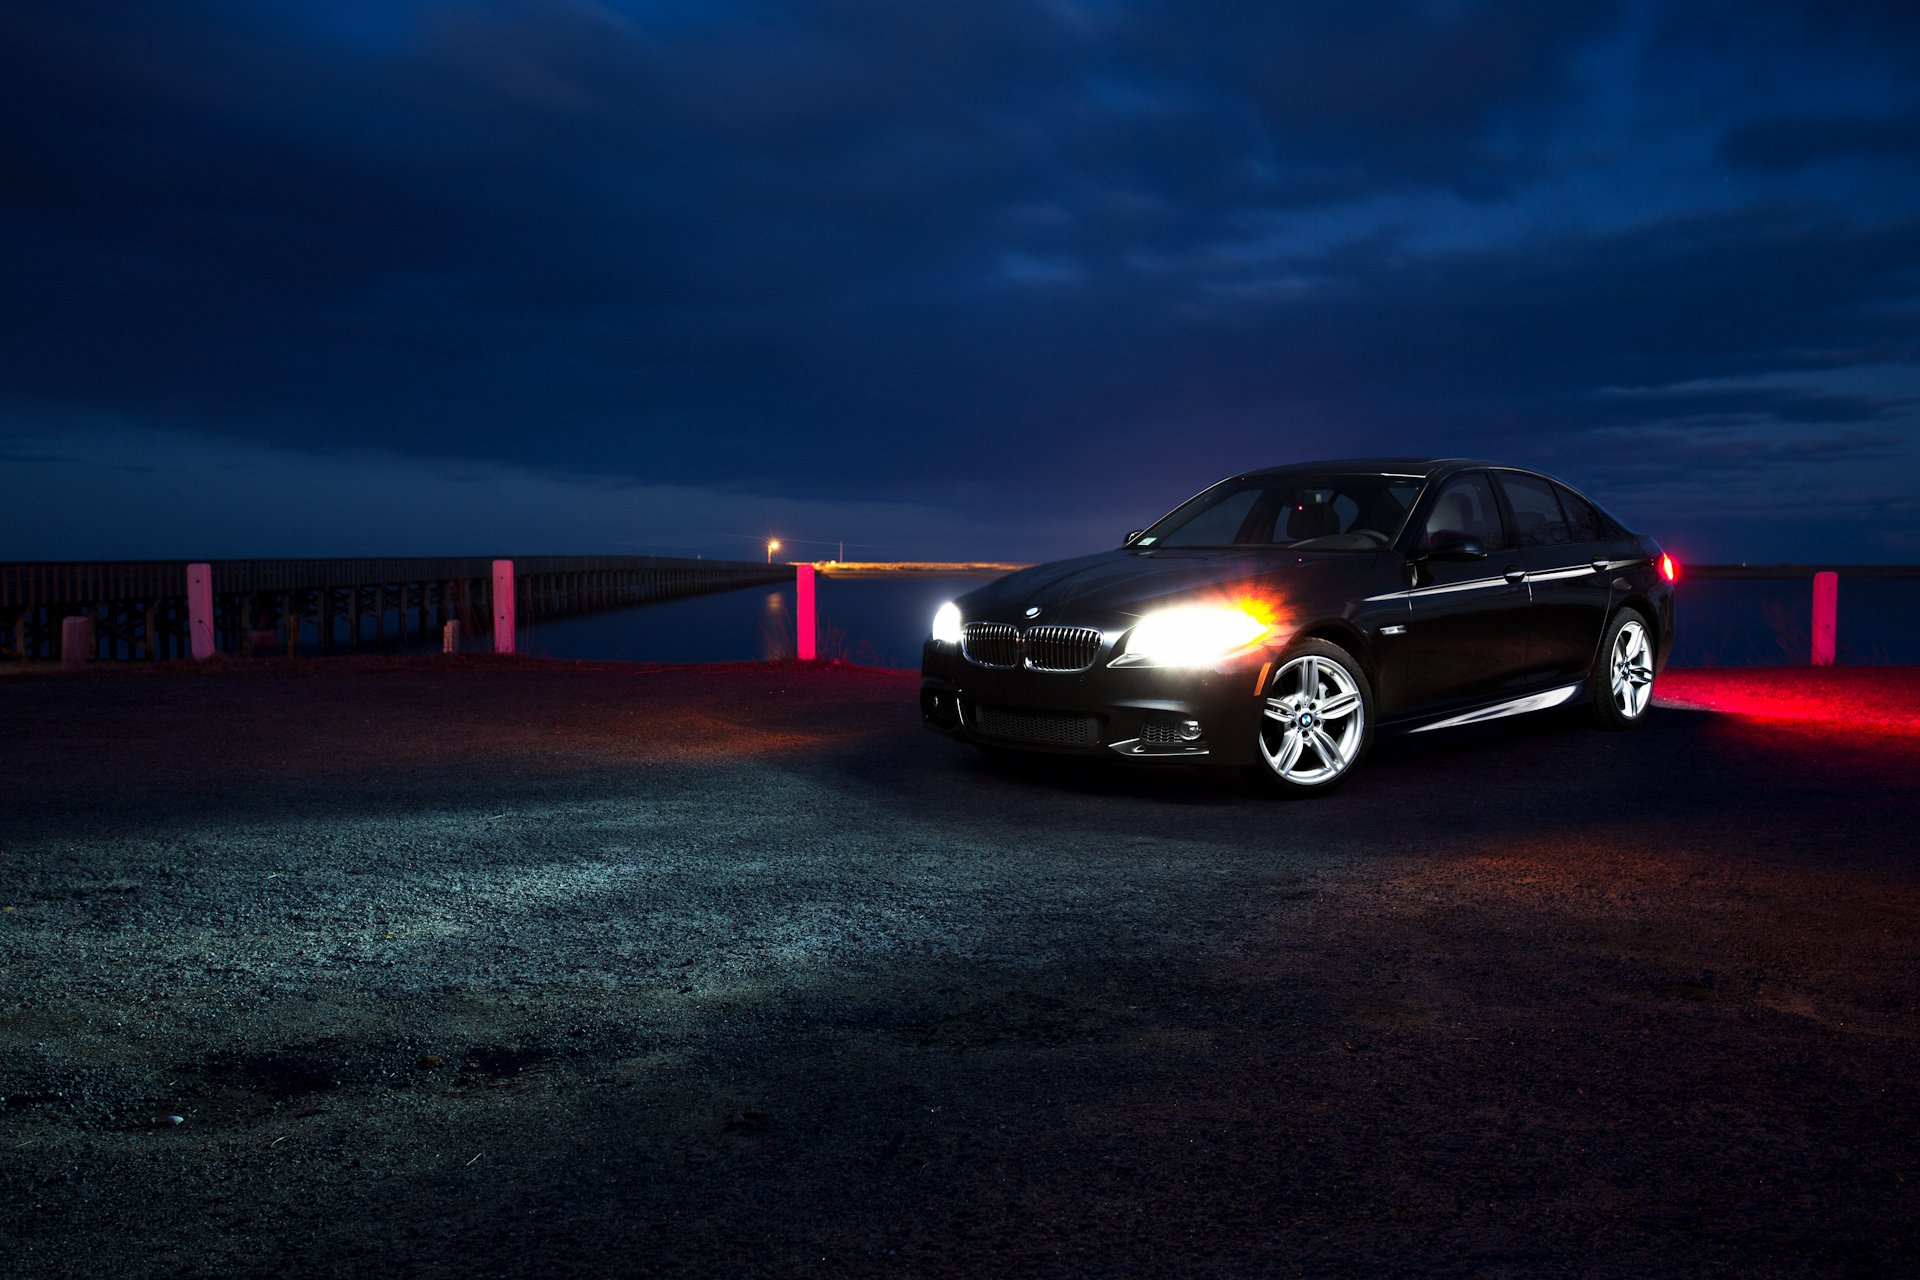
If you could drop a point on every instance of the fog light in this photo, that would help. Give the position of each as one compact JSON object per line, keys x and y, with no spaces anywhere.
{"x":1189,"y":730}
{"x":939,"y":709}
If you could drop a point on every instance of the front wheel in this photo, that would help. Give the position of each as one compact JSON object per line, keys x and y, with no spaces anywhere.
{"x":1623,"y":673}
{"x":1316,"y":720}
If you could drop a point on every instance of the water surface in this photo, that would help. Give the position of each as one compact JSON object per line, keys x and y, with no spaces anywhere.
{"x":876,"y":622}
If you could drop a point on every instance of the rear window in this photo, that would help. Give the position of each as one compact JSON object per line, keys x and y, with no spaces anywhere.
{"x":1584,"y":521}
{"x":1537,"y":518}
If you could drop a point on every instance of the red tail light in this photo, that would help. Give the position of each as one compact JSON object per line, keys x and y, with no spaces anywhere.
{"x":1669,"y":568}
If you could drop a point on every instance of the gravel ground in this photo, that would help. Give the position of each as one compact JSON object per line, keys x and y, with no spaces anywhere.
{"x":475,"y":967}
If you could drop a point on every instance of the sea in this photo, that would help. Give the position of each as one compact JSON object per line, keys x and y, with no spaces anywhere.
{"x":881,"y":622}
{"x":870,"y":621}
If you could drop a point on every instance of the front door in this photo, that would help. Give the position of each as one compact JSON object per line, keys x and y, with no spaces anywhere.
{"x":1466,"y":632}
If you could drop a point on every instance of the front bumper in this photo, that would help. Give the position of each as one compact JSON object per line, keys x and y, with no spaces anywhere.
{"x":1133,"y":712}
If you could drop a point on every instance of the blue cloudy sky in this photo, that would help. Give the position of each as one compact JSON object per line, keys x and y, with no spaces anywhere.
{"x":997,"y":278}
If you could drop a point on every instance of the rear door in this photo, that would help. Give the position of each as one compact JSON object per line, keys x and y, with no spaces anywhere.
{"x":1561,"y":543}
{"x":1465,"y":641}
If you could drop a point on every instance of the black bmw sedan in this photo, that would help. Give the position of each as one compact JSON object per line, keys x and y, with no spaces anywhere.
{"x":1273,"y":622}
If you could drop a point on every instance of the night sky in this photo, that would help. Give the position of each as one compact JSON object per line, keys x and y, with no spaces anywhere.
{"x":966,"y":278}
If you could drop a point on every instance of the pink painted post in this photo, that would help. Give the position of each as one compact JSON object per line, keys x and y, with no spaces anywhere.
{"x":200,"y":610}
{"x":76,"y":640}
{"x":806,"y":621}
{"x":503,"y":606}
{"x":1826,"y":616}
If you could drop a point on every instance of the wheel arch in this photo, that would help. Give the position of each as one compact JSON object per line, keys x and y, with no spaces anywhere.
{"x":1639,"y":602}
{"x":1349,"y":637}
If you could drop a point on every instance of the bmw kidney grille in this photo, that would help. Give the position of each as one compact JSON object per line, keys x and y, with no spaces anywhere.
{"x":996,"y":644}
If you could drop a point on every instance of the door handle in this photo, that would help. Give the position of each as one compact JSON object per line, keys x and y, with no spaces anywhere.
{"x":1515,"y":574}
{"x":1600,"y":566}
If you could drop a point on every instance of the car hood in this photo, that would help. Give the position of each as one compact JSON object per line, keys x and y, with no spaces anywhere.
{"x":1129,"y":582}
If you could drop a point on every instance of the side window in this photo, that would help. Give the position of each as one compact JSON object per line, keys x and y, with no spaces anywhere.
{"x":1537,"y":519}
{"x":1583,"y":522}
{"x":1465,"y":506}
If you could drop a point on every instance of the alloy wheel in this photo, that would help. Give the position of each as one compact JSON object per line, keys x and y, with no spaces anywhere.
{"x":1314,"y":721}
{"x":1630,"y":670}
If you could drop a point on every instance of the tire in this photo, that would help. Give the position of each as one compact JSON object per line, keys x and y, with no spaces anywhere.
{"x":1622,"y":676}
{"x":1316,"y":721}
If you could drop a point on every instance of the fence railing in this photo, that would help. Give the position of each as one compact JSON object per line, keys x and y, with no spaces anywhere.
{"x":160,"y":609}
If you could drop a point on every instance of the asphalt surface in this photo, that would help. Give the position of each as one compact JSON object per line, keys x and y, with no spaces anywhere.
{"x":476,"y":968}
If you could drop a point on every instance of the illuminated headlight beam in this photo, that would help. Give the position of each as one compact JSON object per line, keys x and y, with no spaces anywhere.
{"x":1191,"y":636}
{"x":946,"y":623}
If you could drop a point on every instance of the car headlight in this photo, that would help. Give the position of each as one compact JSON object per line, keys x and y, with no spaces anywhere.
{"x":1190,"y":636}
{"x":946,"y":623}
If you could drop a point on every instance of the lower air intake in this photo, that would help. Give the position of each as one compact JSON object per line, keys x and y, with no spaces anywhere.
{"x":1041,"y":728}
{"x":1161,"y":733}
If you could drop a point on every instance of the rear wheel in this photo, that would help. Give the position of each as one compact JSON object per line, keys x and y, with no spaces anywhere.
{"x":1623,"y":673}
{"x":1316,"y":720}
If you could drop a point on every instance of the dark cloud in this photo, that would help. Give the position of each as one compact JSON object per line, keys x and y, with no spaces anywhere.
{"x":1792,"y":144}
{"x":1349,"y":99}
{"x":848,"y":249}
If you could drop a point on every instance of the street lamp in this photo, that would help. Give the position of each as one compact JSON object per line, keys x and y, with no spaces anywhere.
{"x":773,"y":545}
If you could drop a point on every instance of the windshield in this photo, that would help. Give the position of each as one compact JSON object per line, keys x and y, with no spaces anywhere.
{"x":1300,"y":512}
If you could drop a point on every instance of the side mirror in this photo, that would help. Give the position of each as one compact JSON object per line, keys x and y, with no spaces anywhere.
{"x":1448,"y":545}
{"x":1128,"y":540}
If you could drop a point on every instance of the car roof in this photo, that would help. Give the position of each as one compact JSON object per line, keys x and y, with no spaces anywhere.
{"x":1426,"y":467}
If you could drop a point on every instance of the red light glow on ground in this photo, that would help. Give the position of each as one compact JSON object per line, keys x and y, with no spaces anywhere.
{"x":1876,"y":701}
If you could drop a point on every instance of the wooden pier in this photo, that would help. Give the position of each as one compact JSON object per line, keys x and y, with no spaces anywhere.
{"x":139,"y":609}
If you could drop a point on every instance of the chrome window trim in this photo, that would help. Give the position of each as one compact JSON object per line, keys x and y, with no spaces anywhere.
{"x":1473,"y":584}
